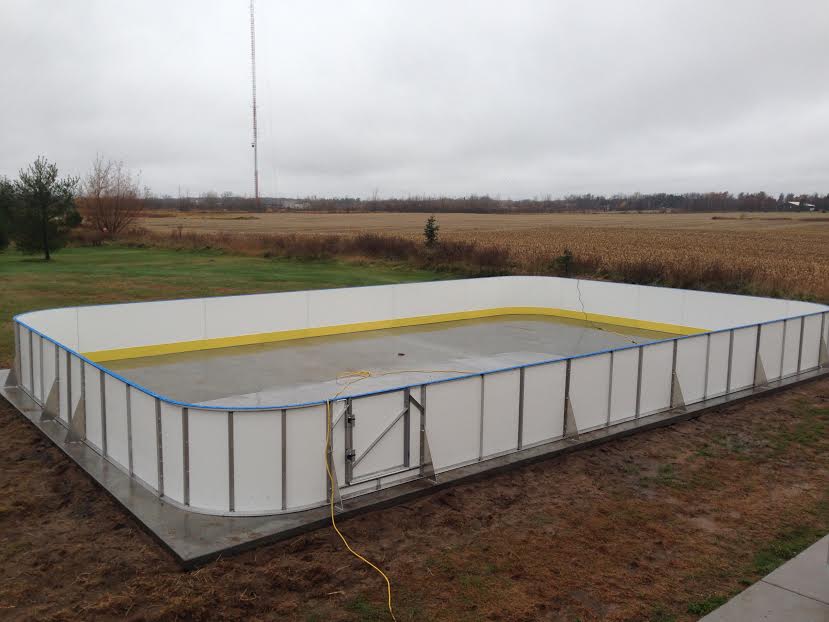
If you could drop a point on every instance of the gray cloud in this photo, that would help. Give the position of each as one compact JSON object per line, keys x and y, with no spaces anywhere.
{"x":513,"y":99}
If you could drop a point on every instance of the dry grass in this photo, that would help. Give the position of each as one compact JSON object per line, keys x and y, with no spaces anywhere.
{"x":770,"y":254}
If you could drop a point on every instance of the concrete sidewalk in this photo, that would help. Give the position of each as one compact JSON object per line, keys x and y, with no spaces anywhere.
{"x":798,"y":591}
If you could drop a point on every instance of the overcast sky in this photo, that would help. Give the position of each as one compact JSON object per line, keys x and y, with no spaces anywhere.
{"x":515,"y":98}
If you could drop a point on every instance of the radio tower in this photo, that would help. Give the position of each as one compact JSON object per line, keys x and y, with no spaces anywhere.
{"x":255,"y":143}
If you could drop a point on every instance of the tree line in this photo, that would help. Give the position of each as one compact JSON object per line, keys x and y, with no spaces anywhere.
{"x":40,"y":208}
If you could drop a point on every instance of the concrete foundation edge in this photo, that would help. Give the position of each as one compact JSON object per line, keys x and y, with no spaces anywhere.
{"x":196,"y":539}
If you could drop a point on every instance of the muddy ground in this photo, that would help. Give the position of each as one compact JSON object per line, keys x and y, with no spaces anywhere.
{"x":662,"y":526}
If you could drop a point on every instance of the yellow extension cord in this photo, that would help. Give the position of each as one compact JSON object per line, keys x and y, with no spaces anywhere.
{"x":358,"y":376}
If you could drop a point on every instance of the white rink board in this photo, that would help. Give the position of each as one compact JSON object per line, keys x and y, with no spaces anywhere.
{"x":625,"y":378}
{"x":589,"y":388}
{"x":257,"y":441}
{"x":691,"y":354}
{"x":501,"y":400}
{"x":214,"y":461}
{"x":453,"y":421}
{"x":543,"y":403}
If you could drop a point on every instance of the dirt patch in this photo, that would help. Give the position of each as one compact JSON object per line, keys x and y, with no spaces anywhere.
{"x":653,"y":527}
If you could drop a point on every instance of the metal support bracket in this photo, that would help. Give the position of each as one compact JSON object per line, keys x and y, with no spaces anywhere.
{"x":823,"y":355}
{"x":51,"y":408}
{"x":77,"y":428}
{"x":427,"y":467}
{"x":571,"y":430}
{"x":677,"y":400}
{"x":760,"y":377}
{"x":11,"y":379}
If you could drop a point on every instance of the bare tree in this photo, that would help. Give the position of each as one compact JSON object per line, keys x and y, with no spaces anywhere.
{"x":111,"y":196}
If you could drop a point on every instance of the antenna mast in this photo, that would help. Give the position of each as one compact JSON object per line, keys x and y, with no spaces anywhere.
{"x":255,"y":143}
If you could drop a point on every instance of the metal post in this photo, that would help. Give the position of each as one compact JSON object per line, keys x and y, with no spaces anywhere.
{"x":158,"y":448}
{"x":481,"y":422}
{"x":42,"y":388}
{"x":31,"y":363}
{"x":284,"y":459}
{"x":521,"y":408}
{"x":610,"y":390}
{"x":350,"y":454}
{"x":672,"y":390}
{"x":69,"y":388}
{"x":707,"y":364}
{"x":129,"y":429}
{"x":800,"y":345}
{"x":102,"y":386}
{"x":639,"y":384}
{"x":407,"y":432}
{"x":730,"y":356}
{"x":757,"y":353}
{"x":822,"y":348}
{"x":231,"y":459}
{"x":566,"y":397}
{"x":185,"y":451}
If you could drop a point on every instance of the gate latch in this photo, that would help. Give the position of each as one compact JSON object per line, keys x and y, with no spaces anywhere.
{"x":350,"y":454}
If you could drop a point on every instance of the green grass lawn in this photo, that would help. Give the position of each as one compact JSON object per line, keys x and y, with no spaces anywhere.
{"x":83,"y":276}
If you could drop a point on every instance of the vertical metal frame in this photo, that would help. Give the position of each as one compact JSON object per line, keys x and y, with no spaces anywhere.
{"x":800,"y":345}
{"x":757,"y":354}
{"x":407,"y":428}
{"x":672,"y":389}
{"x":185,"y":453}
{"x":31,"y":362}
{"x":481,"y":419}
{"x":521,"y":408}
{"x":68,"y":387}
{"x":567,"y":370}
{"x":42,"y":388}
{"x":730,"y":359}
{"x":158,"y":448}
{"x":639,"y":383}
{"x":284,"y":458}
{"x":609,"y":390}
{"x":103,"y":397}
{"x":231,"y":465}
{"x":129,"y":429}
{"x":350,"y":454}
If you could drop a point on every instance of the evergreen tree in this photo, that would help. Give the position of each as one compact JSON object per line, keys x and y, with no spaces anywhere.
{"x":43,"y":210}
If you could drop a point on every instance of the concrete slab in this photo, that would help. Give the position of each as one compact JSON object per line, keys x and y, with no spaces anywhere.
{"x":769,"y":603}
{"x":798,"y":591}
{"x":807,"y":574}
{"x":195,"y":539}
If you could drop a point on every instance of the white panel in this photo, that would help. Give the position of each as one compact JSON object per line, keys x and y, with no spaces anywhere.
{"x":25,"y":358}
{"x":453,"y":421}
{"x":144,"y":437}
{"x":37,"y":389}
{"x":717,"y":364}
{"x":209,"y":471}
{"x":116,"y":420}
{"x":261,"y":313}
{"x":625,"y":375}
{"x":417,"y":299}
{"x":791,"y":346}
{"x":501,"y":396}
{"x":771,"y":345}
{"x":349,"y":306}
{"x":257,"y":470}
{"x":372,"y":415}
{"x":742,"y":359}
{"x":657,"y":360}
{"x":92,"y":378}
{"x":543,"y":403}
{"x":63,"y":374}
{"x":691,"y":357}
{"x":49,"y":366}
{"x":338,"y":440}
{"x":172,"y":451}
{"x":589,"y":387}
{"x":612,"y":299}
{"x":59,"y":324}
{"x":140,"y":324}
{"x":811,"y":343}
{"x":306,"y":474}
{"x":660,"y":304}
